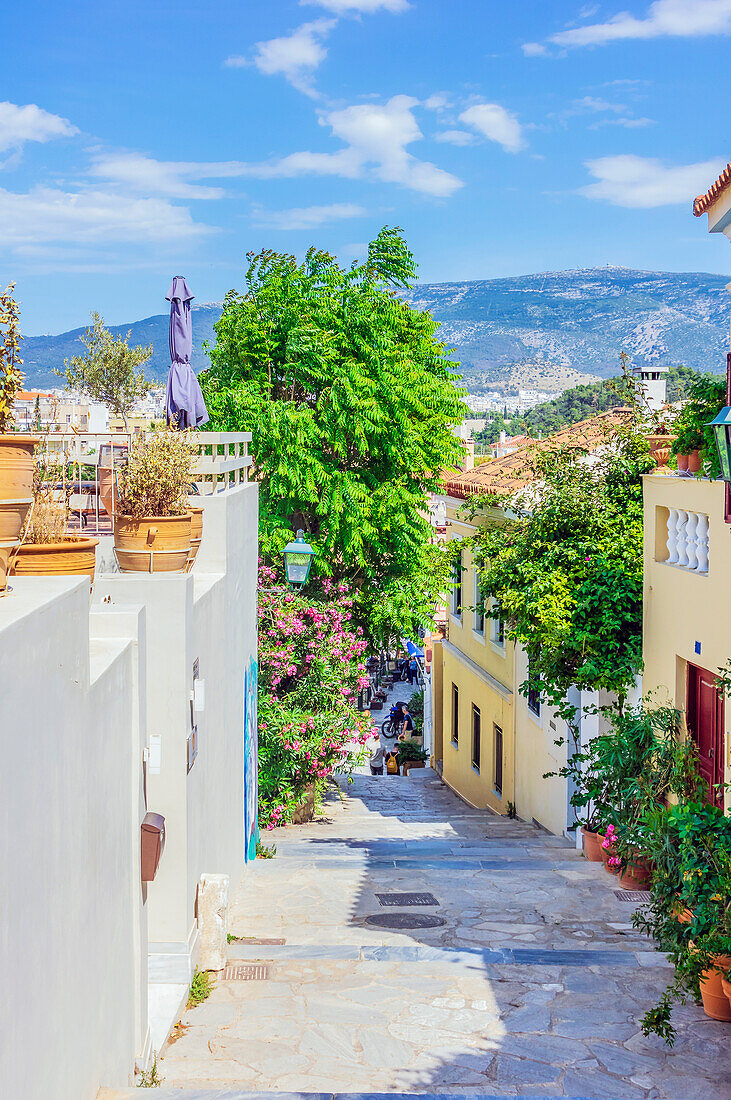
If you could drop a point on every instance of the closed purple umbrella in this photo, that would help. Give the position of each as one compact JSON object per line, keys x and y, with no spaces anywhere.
{"x":184,"y":402}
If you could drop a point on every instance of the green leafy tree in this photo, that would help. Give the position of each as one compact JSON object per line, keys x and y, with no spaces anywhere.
{"x":565,"y":565}
{"x":351,"y":401}
{"x":109,"y":371}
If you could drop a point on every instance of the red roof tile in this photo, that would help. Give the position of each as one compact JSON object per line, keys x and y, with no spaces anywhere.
{"x":714,"y":192}
{"x":514,"y":471}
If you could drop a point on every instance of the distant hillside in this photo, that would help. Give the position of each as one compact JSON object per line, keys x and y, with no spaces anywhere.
{"x":42,"y":353}
{"x":548,"y":331}
{"x":563,"y":321}
{"x":573,"y":405}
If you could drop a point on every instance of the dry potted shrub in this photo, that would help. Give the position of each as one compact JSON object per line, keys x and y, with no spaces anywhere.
{"x":152,"y":528}
{"x":46,"y":549}
{"x":16,"y":450}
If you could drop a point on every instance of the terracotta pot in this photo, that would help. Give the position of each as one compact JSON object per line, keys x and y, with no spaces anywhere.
{"x":592,"y":845}
{"x":715,"y":1002}
{"x":16,"y":482}
{"x":636,"y":875}
{"x":606,"y":852}
{"x":662,"y":457}
{"x":196,"y":534}
{"x":658,"y":441}
{"x":73,"y":557}
{"x":694,"y":462}
{"x":152,"y":544}
{"x":726,"y":987}
{"x":682,"y":464}
{"x":681,"y":914}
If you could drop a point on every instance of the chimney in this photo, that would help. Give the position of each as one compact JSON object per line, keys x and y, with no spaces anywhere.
{"x":653,"y":383}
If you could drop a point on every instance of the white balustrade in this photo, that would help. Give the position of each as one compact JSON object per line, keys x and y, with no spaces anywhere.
{"x":687,"y":540}
{"x":672,"y":542}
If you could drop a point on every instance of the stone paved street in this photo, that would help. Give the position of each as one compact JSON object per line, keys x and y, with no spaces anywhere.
{"x":531,"y":984}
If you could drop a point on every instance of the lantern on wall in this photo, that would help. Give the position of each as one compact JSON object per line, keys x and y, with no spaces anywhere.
{"x":722,"y":434}
{"x":298,"y":557}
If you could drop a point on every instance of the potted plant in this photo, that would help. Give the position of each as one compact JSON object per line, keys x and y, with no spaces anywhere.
{"x":693,"y":443}
{"x":46,"y":549}
{"x":689,"y":914}
{"x":409,"y":755}
{"x":152,"y":529}
{"x":16,"y":450}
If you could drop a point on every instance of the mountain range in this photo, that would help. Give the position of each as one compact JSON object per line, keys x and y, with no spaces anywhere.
{"x":547,"y":331}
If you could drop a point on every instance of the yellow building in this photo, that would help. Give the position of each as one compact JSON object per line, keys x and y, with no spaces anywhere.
{"x":687,"y":632}
{"x":687,"y":542}
{"x":492,"y":744}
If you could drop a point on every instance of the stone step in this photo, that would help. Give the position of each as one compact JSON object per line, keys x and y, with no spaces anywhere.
{"x":233,"y":1093}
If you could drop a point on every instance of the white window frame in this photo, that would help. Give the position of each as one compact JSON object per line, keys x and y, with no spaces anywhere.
{"x":498,"y":646}
{"x":477,"y":630}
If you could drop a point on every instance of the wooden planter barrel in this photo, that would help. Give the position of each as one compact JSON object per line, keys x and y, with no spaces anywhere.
{"x":75,"y":556}
{"x":152,"y":544}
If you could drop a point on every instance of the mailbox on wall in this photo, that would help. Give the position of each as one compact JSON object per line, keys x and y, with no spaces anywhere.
{"x":153,"y":844}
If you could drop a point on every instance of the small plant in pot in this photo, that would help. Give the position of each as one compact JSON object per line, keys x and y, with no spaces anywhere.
{"x":46,"y":549}
{"x":152,"y":528}
{"x":410,"y":754}
{"x":694,"y":444}
{"x":16,"y":449}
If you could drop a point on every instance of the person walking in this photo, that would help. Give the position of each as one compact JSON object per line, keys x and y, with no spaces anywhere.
{"x":376,"y":760}
{"x":407,"y":723}
{"x":413,"y":670}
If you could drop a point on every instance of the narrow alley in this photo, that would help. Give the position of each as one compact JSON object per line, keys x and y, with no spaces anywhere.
{"x":516,"y":973}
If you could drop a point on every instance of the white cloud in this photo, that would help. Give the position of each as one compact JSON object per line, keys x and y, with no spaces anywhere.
{"x":627,"y":123}
{"x":591,"y":103}
{"x":455,"y":137}
{"x":644,"y":182}
{"x":495,"y":123}
{"x":367,"y":7}
{"x":141,"y":173}
{"x":375,"y":141}
{"x":48,"y":215}
{"x":307,"y":217}
{"x":534,"y":49}
{"x":438,"y":102}
{"x":665,"y":18}
{"x":19,"y":125}
{"x":295,"y":56}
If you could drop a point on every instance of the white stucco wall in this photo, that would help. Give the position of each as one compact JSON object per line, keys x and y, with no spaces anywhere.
{"x":72,"y":900}
{"x":83,"y":690}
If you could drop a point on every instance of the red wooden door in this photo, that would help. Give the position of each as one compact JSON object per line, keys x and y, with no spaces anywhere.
{"x":706,"y":722}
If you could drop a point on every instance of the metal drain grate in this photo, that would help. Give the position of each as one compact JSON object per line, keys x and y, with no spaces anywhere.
{"x":255,"y":973}
{"x":632,"y":895}
{"x":407,"y":899}
{"x":405,"y":920}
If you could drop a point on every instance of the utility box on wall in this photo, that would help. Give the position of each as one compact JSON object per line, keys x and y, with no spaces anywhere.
{"x":152,"y":844}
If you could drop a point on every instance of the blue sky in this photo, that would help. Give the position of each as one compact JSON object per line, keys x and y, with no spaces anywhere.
{"x":138,"y":141}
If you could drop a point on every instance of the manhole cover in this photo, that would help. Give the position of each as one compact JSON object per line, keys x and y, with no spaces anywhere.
{"x":632,"y":895}
{"x":405,"y":920}
{"x":407,"y":899}
{"x":255,"y":973}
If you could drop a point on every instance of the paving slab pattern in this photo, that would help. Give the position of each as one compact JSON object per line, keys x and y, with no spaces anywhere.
{"x":533,"y":987}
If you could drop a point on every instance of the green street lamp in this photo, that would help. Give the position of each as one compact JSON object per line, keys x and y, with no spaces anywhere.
{"x":298,"y":557}
{"x":722,"y":432}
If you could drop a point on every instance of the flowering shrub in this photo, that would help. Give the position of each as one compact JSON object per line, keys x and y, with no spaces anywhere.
{"x":310,"y":672}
